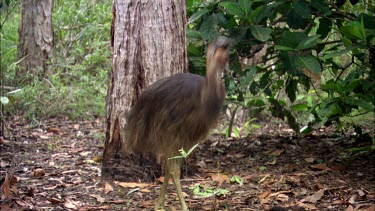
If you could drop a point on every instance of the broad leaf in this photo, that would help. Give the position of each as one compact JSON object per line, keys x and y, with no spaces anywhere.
{"x":291,"y":89}
{"x":292,"y":39}
{"x":361,"y":103}
{"x":245,"y":6}
{"x":233,"y":8}
{"x":302,"y":8}
{"x":309,"y":62}
{"x":292,"y":122}
{"x":254,"y":88}
{"x":283,"y":48}
{"x":321,"y":6}
{"x":354,"y":30}
{"x":297,"y":17}
{"x":324,"y":27}
{"x":256,"y":103}
{"x":197,"y":15}
{"x":209,"y":27}
{"x":308,"y":42}
{"x":288,"y":59}
{"x":261,"y":33}
{"x":299,"y":107}
{"x":339,"y":53}
{"x":193,"y":34}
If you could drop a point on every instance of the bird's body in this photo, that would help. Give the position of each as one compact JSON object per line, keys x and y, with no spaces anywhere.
{"x":170,"y":115}
{"x":177,"y":112}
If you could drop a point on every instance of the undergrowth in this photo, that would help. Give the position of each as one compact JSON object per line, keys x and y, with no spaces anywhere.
{"x":80,"y":64}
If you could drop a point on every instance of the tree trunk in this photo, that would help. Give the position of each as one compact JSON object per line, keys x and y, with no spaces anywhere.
{"x":36,"y":38}
{"x":148,"y":39}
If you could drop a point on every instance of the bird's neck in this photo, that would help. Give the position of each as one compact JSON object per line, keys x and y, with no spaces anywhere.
{"x":214,"y":84}
{"x":213,"y":93}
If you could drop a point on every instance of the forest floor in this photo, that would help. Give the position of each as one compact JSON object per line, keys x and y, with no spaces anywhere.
{"x":56,"y":166}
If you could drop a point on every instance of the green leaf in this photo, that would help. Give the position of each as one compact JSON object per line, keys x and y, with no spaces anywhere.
{"x":245,"y":6}
{"x":299,"y":107}
{"x":254,"y":88}
{"x":288,"y":59}
{"x":308,"y":42}
{"x":368,"y":21}
{"x":309,"y":62}
{"x":236,"y":179}
{"x":233,"y":8}
{"x":265,"y":11}
{"x":329,"y":86}
{"x":197,"y":15}
{"x":248,"y":77}
{"x":295,"y":21}
{"x":324,"y":27}
{"x":298,"y":16}
{"x":264,"y":79}
{"x":291,"y":89}
{"x":262,"y":168}
{"x":193,"y":34}
{"x":354,"y":30}
{"x":255,"y":103}
{"x":347,"y":42}
{"x":261,"y":33}
{"x":292,"y":39}
{"x":283,"y":48}
{"x":359,"y":102}
{"x":302,"y":8}
{"x":339,"y":53}
{"x":250,"y":74}
{"x":4,"y":100}
{"x":209,"y":27}
{"x":321,"y":6}
{"x":292,"y":122}
{"x":192,"y":149}
{"x":353,"y":85}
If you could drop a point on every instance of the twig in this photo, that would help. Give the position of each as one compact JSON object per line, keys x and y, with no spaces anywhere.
{"x":270,"y":65}
{"x":339,"y":12}
{"x":343,"y":69}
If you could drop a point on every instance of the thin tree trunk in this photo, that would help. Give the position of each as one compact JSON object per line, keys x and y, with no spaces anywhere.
{"x":148,"y":39}
{"x":36,"y":38}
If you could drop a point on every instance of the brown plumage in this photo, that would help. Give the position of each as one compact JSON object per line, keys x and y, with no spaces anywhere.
{"x":177,"y":112}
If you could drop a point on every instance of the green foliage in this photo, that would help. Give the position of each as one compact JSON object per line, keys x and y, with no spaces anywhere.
{"x":45,"y":99}
{"x":236,"y":179}
{"x":80,"y":64}
{"x":203,"y":191}
{"x":306,"y":44}
{"x":8,"y":45}
{"x":81,"y":30}
{"x":183,"y":153}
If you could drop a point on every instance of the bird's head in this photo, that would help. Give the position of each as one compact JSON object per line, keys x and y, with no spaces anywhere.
{"x":217,"y":55}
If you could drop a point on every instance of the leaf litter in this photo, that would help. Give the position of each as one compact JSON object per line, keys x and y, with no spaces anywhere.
{"x":57,"y":167}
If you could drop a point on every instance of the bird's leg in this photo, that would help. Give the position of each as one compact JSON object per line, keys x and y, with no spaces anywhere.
{"x":175,"y":172}
{"x":163,"y":190}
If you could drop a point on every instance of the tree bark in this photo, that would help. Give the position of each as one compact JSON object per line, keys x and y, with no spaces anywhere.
{"x":36,"y":38}
{"x":148,"y":39}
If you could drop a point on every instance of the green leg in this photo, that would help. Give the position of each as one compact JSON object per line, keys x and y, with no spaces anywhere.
{"x":175,"y":172}
{"x":163,"y":190}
